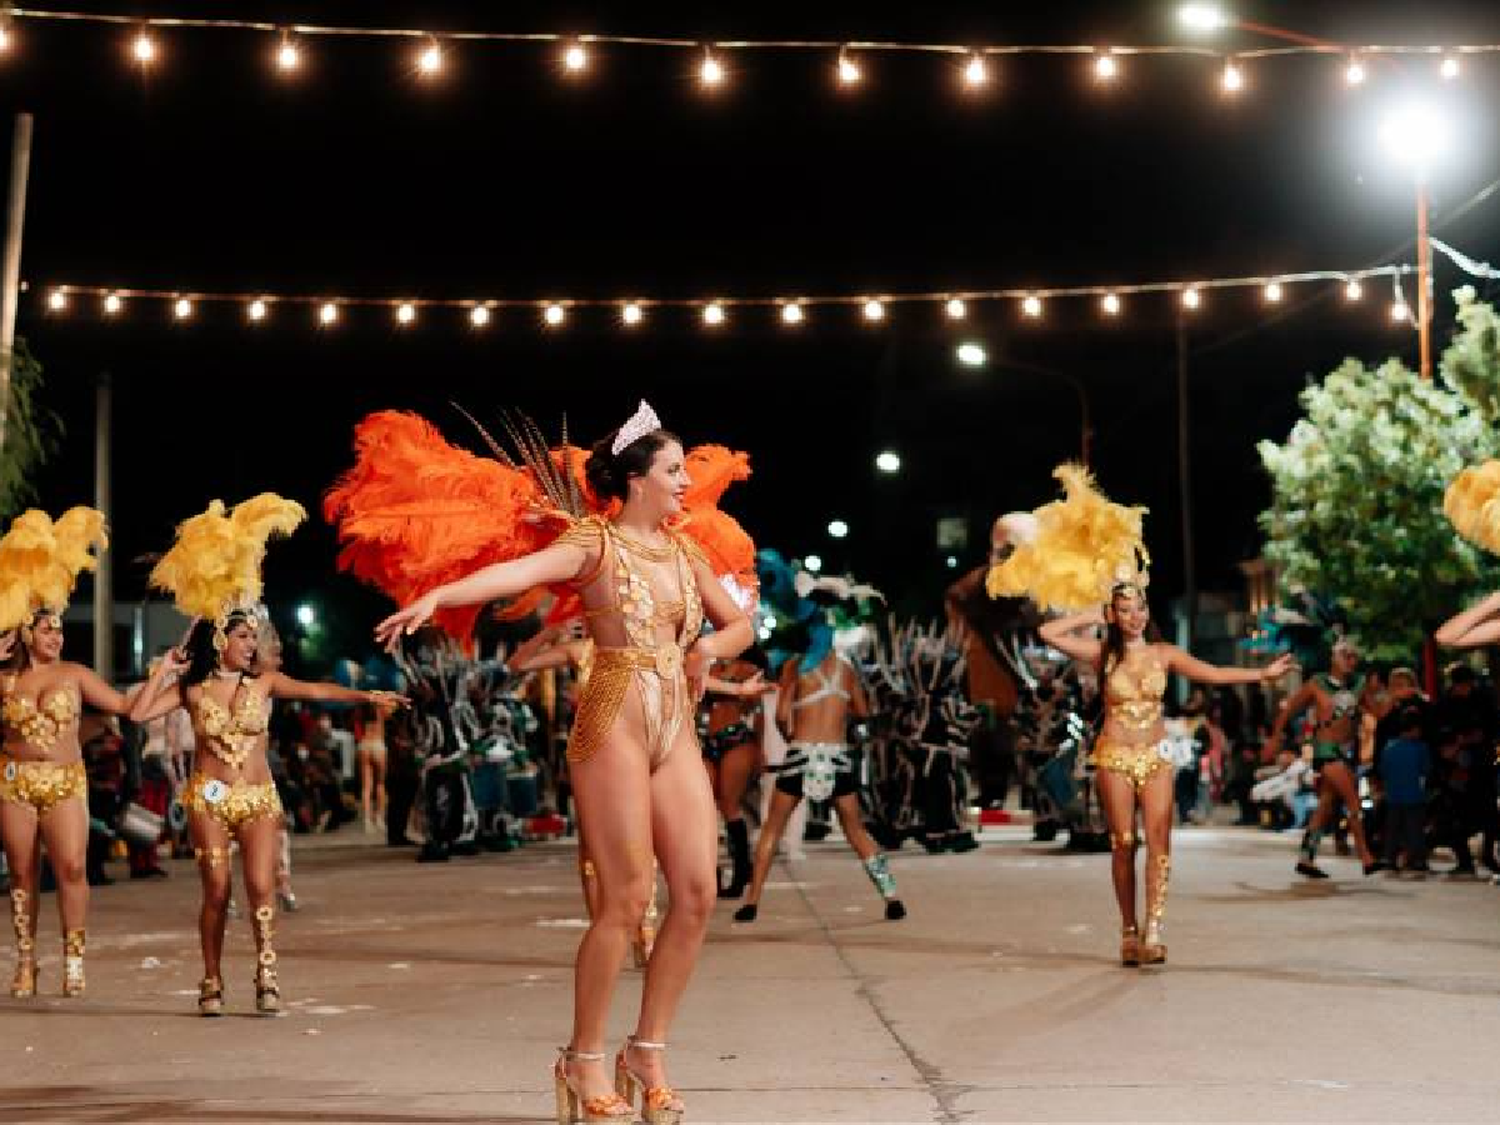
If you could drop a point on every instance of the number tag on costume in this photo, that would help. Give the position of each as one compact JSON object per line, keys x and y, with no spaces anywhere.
{"x":11,"y":770}
{"x":215,"y":791}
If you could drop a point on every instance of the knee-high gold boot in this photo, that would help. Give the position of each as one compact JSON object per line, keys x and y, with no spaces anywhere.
{"x":73,"y":943}
{"x":1153,"y":949}
{"x":23,"y":984}
{"x":267,"y":988}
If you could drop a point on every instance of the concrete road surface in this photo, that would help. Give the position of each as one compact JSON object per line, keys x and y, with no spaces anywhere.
{"x":439,"y":993}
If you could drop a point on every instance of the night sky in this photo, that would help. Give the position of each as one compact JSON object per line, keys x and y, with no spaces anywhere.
{"x":501,"y":179}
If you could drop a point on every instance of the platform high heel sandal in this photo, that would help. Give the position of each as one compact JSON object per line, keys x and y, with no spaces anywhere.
{"x":1130,"y":946}
{"x":211,"y":997}
{"x":573,"y":1106}
{"x":23,"y":984}
{"x":660,"y":1105}
{"x":74,"y":942}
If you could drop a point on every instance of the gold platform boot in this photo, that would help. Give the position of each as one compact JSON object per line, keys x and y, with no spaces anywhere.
{"x":23,"y":984}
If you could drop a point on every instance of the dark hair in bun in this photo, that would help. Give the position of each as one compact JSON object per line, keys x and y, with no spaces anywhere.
{"x":609,"y":473}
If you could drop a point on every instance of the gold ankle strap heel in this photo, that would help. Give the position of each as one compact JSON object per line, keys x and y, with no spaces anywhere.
{"x":1130,"y":946}
{"x":660,"y":1105}
{"x":572,"y":1105}
{"x":211,"y":997}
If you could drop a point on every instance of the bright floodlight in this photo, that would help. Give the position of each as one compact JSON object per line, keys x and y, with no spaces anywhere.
{"x":972,"y":355}
{"x":306,"y":616}
{"x":1416,"y":134}
{"x":888,"y":462}
{"x":1203,"y":17}
{"x":813,"y":563}
{"x":838,"y":529}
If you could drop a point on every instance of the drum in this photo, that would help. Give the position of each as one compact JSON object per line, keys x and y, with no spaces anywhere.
{"x":139,"y":825}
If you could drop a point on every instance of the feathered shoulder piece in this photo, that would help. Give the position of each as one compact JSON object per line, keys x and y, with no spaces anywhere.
{"x":415,"y":512}
{"x":1081,"y":548}
{"x":40,"y":560}
{"x":214,"y":565}
{"x":1472,"y":505}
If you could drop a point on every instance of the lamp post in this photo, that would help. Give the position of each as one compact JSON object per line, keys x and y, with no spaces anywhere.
{"x":1416,"y":134}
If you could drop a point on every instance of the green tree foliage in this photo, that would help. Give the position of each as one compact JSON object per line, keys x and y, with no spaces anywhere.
{"x":32,"y":433}
{"x":1357,"y":488}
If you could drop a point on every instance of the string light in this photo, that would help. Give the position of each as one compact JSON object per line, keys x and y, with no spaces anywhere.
{"x":711,"y":72}
{"x":57,"y":300}
{"x":479,"y":316}
{"x":1106,"y":69}
{"x":1110,"y":303}
{"x":576,"y":58}
{"x":791,"y":313}
{"x":113,"y":304}
{"x":1031,"y":305}
{"x":4,"y":38}
{"x":631,"y":314}
{"x":555,"y":315}
{"x":713,"y":314}
{"x":430,"y":61}
{"x":143,"y":47}
{"x":874,"y":311}
{"x":406,"y":313}
{"x":183,"y":309}
{"x":1354,"y":73}
{"x":1353,"y":290}
{"x":1234,"y":79}
{"x":1399,"y":311}
{"x":849,"y":71}
{"x":288,"y":56}
{"x":1448,"y":68}
{"x":1191,"y":299}
{"x":256,"y":311}
{"x":328,"y":315}
{"x":1273,"y":293}
{"x":956,"y":309}
{"x":976,"y":74}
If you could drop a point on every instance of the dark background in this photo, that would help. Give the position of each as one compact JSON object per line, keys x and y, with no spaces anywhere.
{"x":503,"y":179}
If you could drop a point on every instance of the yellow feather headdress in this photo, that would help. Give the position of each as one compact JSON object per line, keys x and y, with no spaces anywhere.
{"x":214,"y":566}
{"x":40,"y":560}
{"x":1082,"y":548}
{"x":1472,"y":505}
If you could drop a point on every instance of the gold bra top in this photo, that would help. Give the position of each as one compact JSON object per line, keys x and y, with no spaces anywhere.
{"x":39,"y":723}
{"x":231,"y":733}
{"x":632,"y":596}
{"x":1133,"y":692}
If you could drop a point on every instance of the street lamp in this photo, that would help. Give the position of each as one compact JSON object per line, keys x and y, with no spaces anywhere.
{"x":1416,"y":134}
{"x":888,"y":462}
{"x":971,"y":354}
{"x":1202,"y":17}
{"x":813,"y":563}
{"x":838,"y":529}
{"x":306,"y":616}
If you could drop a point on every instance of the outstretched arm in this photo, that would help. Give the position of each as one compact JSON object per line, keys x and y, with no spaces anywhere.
{"x":1063,"y":635}
{"x":284,"y":687}
{"x":550,"y":566}
{"x":1185,"y":664}
{"x":1291,"y":708}
{"x":100,"y":695}
{"x":160,"y":696}
{"x":1476,"y":626}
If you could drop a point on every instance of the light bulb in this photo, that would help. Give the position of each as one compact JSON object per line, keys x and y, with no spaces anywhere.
{"x":713,"y":314}
{"x":430,"y":61}
{"x":1273,"y":293}
{"x":1110,"y":303}
{"x":1354,"y":290}
{"x":575,"y":58}
{"x":182,"y":309}
{"x":712,"y":71}
{"x":1354,"y":73}
{"x":1234,"y":78}
{"x":4,"y":38}
{"x":479,"y":316}
{"x":1032,"y":306}
{"x":57,"y":300}
{"x":1449,"y":68}
{"x":1191,"y":298}
{"x":956,"y":309}
{"x":113,"y":304}
{"x":888,"y":462}
{"x":838,"y":529}
{"x":406,"y":313}
{"x":976,"y":73}
{"x":849,"y":72}
{"x":791,"y":314}
{"x":874,"y":311}
{"x":257,"y":310}
{"x":555,"y":315}
{"x":143,"y":48}
{"x":328,"y":314}
{"x":631,"y":314}
{"x":1399,"y":311}
{"x":288,"y":57}
{"x":1106,"y":68}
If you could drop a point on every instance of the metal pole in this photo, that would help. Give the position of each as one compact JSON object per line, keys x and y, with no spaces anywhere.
{"x":1424,"y":279}
{"x":104,"y":584}
{"x":1185,"y":485}
{"x":10,"y":269}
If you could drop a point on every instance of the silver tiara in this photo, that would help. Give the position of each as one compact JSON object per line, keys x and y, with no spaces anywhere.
{"x":644,"y":421}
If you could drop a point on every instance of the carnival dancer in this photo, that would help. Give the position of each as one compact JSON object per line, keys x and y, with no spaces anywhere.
{"x":1085,"y":551}
{"x":43,"y":789}
{"x":446,"y":532}
{"x":1338,"y":698}
{"x":731,"y":752}
{"x":819,"y":694}
{"x":213,"y":571}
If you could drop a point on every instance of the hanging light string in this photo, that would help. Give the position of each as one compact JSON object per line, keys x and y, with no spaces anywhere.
{"x":845,"y":52}
{"x":793,"y":310}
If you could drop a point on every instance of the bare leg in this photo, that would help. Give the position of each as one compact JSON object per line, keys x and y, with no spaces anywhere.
{"x":1340,"y":779}
{"x":875,"y":864}
{"x":1117,"y":795}
{"x":1155,"y":799}
{"x":1322,"y":817}
{"x":735,"y":771}
{"x":367,"y":787}
{"x":18,"y":827}
{"x":211,"y":846}
{"x":65,"y":830}
{"x":780,"y":812}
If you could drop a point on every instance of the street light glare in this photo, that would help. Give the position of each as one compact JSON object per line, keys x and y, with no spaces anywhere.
{"x":813,"y":563}
{"x":1203,"y":17}
{"x":1416,"y":134}
{"x":306,"y":616}
{"x":888,"y":462}
{"x":838,"y":529}
{"x":972,"y":355}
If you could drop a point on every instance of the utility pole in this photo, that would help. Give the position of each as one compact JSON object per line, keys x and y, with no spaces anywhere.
{"x":10,"y":268}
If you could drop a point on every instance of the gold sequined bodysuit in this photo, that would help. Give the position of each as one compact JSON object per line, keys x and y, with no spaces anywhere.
{"x":229,"y":734}
{"x":650,"y":661}
{"x":1133,"y":740}
{"x":40,"y":783}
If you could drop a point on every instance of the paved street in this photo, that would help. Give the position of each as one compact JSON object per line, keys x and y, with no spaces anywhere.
{"x":438,"y":994}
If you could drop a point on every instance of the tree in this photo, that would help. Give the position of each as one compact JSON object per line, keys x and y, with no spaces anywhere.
{"x":32,"y":433}
{"x":1357,"y":489}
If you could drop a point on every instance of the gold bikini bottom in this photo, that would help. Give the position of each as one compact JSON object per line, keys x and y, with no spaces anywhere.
{"x":40,"y":784}
{"x":1138,"y":761}
{"x":657,"y":673}
{"x":231,"y":803}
